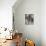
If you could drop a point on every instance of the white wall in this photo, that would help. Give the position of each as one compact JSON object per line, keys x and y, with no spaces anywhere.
{"x":30,"y":31}
{"x":6,"y":13}
{"x":43,"y":22}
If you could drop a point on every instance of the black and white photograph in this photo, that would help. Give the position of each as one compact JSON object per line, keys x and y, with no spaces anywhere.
{"x":29,"y":19}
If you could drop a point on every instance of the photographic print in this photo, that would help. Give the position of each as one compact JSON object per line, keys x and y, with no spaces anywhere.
{"x":29,"y":19}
